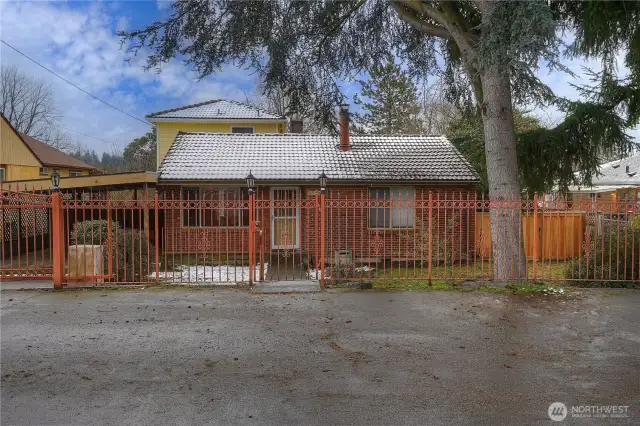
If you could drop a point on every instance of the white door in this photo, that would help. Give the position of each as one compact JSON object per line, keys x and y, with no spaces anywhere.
{"x":285,"y":218}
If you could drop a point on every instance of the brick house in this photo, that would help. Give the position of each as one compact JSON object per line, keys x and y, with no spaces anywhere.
{"x":376,"y":199}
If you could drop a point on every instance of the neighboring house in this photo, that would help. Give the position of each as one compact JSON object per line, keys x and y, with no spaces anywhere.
{"x":25,"y":158}
{"x":201,"y":169}
{"x":216,"y":116}
{"x":617,"y":181}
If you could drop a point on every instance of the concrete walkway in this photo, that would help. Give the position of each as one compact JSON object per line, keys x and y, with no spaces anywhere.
{"x":26,"y":285}
{"x":298,"y":286}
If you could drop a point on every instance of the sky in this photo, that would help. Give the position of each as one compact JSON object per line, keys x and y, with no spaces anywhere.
{"x":77,"y":39}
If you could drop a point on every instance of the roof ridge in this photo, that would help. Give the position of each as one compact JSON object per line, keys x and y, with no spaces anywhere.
{"x":290,"y":134}
{"x":185,"y":107}
{"x":213,"y":101}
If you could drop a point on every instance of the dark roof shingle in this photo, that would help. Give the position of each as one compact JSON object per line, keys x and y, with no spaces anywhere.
{"x":225,"y":156}
{"x":49,"y":156}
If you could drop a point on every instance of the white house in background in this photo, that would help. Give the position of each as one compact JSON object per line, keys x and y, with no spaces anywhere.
{"x":617,"y":180}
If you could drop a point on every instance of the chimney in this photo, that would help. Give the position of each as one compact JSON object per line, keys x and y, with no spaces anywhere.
{"x":344,"y":128}
{"x":295,"y":124}
{"x":627,"y":169}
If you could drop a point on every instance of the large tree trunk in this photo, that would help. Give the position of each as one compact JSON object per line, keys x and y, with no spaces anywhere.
{"x":509,"y":261}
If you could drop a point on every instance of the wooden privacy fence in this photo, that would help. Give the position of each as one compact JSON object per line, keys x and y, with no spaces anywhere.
{"x":234,"y":236}
{"x":559,"y":234}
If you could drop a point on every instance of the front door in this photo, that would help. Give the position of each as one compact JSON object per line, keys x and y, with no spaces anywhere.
{"x":285,"y":218}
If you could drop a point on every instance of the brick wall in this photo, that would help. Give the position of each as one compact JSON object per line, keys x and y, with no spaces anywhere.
{"x":347,"y":225}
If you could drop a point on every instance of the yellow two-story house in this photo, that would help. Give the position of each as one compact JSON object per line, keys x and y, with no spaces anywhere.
{"x":215,"y":116}
{"x":25,"y":158}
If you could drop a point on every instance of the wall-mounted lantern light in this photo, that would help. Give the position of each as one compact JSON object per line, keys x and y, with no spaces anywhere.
{"x":55,"y":181}
{"x":251,"y":182}
{"x":323,"y":181}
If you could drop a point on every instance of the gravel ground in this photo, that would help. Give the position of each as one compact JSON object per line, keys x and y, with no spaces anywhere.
{"x":202,"y":356}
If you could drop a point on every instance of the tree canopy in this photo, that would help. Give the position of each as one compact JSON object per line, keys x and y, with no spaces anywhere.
{"x":467,"y":134}
{"x":389,"y":99}
{"x":308,"y":47}
{"x":140,"y":154}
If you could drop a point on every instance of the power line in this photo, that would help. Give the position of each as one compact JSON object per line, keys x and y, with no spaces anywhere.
{"x":79,"y":88}
{"x":89,"y":136}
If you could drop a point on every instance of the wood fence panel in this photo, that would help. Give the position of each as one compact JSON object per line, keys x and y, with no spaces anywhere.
{"x":560,"y":234}
{"x":483,"y":234}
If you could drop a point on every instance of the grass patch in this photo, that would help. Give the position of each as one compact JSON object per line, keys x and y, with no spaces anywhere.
{"x":401,"y":284}
{"x":545,"y":271}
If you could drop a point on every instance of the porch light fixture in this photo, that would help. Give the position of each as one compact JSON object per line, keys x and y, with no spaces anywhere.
{"x":323,"y":181}
{"x":55,"y":181}
{"x":251,"y":182}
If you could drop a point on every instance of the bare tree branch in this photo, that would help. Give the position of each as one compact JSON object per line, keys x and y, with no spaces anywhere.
{"x":27,"y":103}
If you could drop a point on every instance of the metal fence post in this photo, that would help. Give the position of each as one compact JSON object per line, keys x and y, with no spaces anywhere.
{"x":535,"y":236}
{"x":252,"y":231}
{"x":58,"y":241}
{"x":322,"y":235}
{"x":430,"y":259}
{"x":156,"y":234}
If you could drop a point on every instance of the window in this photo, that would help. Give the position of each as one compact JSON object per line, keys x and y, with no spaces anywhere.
{"x":223,"y":215}
{"x":44,"y":170}
{"x":396,"y":213}
{"x":242,"y":130}
{"x":2,"y":174}
{"x":73,"y":173}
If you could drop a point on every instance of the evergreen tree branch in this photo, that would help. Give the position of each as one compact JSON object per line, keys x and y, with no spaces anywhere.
{"x":420,"y":25}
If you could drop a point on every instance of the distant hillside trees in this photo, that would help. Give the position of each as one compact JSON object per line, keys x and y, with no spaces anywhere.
{"x":140,"y":154}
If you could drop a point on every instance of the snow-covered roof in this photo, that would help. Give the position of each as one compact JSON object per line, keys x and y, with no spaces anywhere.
{"x":225,"y":156}
{"x":625,"y":171}
{"x":217,"y":109}
{"x":598,"y":188}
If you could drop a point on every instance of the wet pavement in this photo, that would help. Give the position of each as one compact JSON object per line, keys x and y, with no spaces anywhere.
{"x":210,"y":356}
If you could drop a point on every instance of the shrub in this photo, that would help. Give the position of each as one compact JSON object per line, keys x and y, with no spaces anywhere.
{"x":127,"y":246}
{"x":445,"y":248}
{"x":91,"y":231}
{"x":614,"y":256}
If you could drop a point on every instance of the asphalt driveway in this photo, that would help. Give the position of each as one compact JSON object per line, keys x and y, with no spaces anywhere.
{"x":228,"y":357}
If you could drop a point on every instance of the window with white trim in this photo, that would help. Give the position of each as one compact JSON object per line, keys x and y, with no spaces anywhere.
{"x":242,"y":129}
{"x":228,"y":214}
{"x":73,"y":173}
{"x":44,"y":170}
{"x":390,"y":207}
{"x":3,"y":174}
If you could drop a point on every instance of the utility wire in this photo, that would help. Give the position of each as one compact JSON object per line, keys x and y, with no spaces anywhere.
{"x":113,"y":144}
{"x":79,"y":88}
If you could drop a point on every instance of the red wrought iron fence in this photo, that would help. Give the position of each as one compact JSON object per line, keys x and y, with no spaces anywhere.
{"x":229,"y":236}
{"x":25,"y":234}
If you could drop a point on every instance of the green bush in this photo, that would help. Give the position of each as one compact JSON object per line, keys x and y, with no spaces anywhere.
{"x":91,"y":231}
{"x":130,"y":255}
{"x":127,"y":248}
{"x":614,"y":256}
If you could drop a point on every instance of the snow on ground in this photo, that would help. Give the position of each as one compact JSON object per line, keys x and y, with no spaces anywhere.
{"x":351,"y":272}
{"x":222,"y":275}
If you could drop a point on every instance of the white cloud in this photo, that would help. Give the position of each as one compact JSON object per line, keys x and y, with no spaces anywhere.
{"x":81,"y":45}
{"x":78,"y":41}
{"x":563,"y":84}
